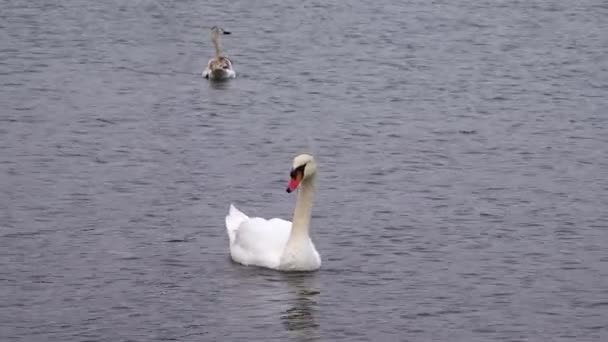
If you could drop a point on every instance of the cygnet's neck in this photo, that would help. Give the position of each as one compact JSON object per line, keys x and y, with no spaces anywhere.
{"x":301,"y":216}
{"x":216,"y":43}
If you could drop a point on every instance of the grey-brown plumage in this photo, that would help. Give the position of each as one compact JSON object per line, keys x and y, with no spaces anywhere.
{"x":220,"y":66}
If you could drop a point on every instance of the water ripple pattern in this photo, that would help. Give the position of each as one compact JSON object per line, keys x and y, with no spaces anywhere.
{"x":463,"y":169}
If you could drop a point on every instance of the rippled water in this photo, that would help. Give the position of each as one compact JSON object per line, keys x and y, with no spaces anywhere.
{"x":463,"y":159}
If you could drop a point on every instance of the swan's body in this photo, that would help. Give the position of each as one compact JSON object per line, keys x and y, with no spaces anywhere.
{"x":220,"y":66}
{"x":277,"y":243}
{"x":260,"y":242}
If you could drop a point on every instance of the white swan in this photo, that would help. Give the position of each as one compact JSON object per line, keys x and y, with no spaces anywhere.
{"x":220,"y":66}
{"x":277,"y":243}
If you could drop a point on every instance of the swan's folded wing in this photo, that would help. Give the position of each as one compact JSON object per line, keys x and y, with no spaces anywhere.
{"x":260,"y":242}
{"x":233,"y":221}
{"x":207,"y":70}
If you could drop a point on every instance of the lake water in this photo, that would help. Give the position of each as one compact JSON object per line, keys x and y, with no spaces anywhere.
{"x":463,"y":169}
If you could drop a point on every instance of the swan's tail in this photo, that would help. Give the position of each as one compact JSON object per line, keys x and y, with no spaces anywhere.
{"x":233,"y":220}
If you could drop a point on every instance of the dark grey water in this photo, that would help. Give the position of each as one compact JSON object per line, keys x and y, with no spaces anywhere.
{"x":463,"y":159}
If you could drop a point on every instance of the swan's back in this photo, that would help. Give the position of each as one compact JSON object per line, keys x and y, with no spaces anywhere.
{"x":233,"y":221}
{"x":219,"y":68}
{"x":256,"y":241}
{"x":219,"y":62}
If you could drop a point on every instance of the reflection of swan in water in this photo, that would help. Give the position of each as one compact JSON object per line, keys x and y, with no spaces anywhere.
{"x":219,"y":85}
{"x":299,"y":319}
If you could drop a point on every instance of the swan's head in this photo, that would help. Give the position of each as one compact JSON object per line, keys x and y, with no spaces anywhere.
{"x":217,"y":31}
{"x":304,"y":167}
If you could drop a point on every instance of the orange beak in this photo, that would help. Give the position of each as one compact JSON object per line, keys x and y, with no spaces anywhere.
{"x":294,"y":182}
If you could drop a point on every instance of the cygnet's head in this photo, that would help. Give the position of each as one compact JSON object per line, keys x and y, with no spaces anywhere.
{"x":216,"y":31}
{"x":304,"y":168}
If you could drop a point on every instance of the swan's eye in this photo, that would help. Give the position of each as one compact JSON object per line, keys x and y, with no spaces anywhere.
{"x":297,"y":172}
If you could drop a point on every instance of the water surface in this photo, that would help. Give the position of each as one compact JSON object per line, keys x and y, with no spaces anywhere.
{"x":462,"y":151}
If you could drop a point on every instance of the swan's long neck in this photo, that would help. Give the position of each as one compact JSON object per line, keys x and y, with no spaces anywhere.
{"x":301,"y":215}
{"x":216,"y":43}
